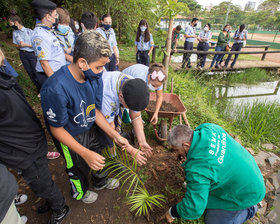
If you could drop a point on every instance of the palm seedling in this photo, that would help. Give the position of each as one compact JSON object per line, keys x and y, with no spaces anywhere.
{"x":123,"y":168}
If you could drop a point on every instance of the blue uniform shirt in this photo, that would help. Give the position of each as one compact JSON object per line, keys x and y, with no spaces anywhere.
{"x":144,"y":46}
{"x":190,"y":30}
{"x":70,"y":104}
{"x":110,"y":36}
{"x":139,"y":71}
{"x":111,"y":84}
{"x":23,"y":35}
{"x":8,"y":69}
{"x":242,"y":35}
{"x":204,"y":34}
{"x":47,"y":47}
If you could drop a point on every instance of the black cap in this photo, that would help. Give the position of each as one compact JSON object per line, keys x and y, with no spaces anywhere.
{"x":43,"y":5}
{"x":136,"y":94}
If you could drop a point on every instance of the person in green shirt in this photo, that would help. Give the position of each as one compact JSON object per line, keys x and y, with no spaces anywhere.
{"x":223,"y":41}
{"x":223,"y":179}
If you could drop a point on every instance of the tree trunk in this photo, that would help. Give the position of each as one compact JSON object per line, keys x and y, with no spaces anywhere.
{"x":168,"y":50}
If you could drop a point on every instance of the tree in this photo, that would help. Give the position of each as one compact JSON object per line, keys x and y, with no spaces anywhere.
{"x":193,"y":6}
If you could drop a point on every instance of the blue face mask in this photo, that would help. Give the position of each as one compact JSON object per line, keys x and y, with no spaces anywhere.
{"x":90,"y":75}
{"x":106,"y":26}
{"x":63,"y":29}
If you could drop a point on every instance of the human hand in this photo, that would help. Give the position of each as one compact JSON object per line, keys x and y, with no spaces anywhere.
{"x":146,"y":149}
{"x":68,"y":51}
{"x":175,"y":49}
{"x":154,"y":119}
{"x":138,"y":155}
{"x":117,"y":60}
{"x":121,"y":141}
{"x":94,"y":160}
{"x":168,"y":218}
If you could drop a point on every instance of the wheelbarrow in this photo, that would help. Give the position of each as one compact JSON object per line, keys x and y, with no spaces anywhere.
{"x":170,"y":115}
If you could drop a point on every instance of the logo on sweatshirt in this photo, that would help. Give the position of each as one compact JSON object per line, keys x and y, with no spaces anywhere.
{"x":51,"y":114}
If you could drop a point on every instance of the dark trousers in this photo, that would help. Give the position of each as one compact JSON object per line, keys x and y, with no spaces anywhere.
{"x":39,"y":178}
{"x":186,"y":57}
{"x":201,"y":58}
{"x":142,"y":57}
{"x":76,"y":167}
{"x":235,"y":47}
{"x":41,"y":77}
{"x":29,"y":61}
{"x":111,"y":66}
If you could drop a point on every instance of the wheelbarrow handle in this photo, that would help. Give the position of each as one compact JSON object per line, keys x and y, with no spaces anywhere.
{"x":156,"y":133}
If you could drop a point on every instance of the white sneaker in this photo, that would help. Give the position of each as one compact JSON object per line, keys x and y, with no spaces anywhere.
{"x":111,"y":184}
{"x":20,"y":199}
{"x":23,"y":219}
{"x":90,"y":197}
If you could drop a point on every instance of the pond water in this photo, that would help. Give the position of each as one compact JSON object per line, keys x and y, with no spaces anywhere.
{"x":248,"y":94}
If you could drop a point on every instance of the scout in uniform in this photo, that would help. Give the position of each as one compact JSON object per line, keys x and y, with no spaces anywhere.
{"x":240,"y":36}
{"x":22,"y":39}
{"x":144,"y":43}
{"x":121,"y":92}
{"x":203,"y":45}
{"x":223,"y":178}
{"x":188,"y":45}
{"x":50,"y":53}
{"x":154,"y":76}
{"x":71,"y":99}
{"x":109,"y":34}
{"x":65,"y":34}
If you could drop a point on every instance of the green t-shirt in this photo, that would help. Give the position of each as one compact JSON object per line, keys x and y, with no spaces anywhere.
{"x":220,"y":174}
{"x":223,"y":40}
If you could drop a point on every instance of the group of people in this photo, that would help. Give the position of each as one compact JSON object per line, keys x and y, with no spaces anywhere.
{"x":84,"y":105}
{"x":204,"y":37}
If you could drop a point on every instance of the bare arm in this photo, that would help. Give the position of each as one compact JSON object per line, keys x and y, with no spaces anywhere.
{"x":116,"y":53}
{"x":22,"y":44}
{"x":46,"y":67}
{"x":150,"y":51}
{"x":93,"y":159}
{"x":69,"y":58}
{"x":154,"y":119}
{"x":138,"y":127}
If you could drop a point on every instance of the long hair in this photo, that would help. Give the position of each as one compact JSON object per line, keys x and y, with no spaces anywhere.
{"x":143,"y":22}
{"x":224,"y":29}
{"x":241,"y":28}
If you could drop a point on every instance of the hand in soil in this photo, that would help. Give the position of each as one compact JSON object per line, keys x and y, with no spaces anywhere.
{"x":94,"y":160}
{"x":168,"y":218}
{"x":146,"y":149}
{"x":140,"y":156}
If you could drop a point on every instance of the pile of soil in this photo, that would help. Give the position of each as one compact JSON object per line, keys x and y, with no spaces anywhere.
{"x":167,"y":107}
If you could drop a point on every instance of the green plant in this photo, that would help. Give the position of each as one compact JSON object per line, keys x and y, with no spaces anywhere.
{"x":125,"y":170}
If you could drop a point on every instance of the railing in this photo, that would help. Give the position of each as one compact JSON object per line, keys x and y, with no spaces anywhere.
{"x":266,"y":51}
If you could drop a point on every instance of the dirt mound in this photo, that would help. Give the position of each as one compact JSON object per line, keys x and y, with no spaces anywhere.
{"x":167,"y":107}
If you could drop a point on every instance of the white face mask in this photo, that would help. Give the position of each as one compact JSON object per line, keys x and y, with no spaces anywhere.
{"x":206,"y":29}
{"x":151,"y":87}
{"x":143,"y":28}
{"x":77,"y":26}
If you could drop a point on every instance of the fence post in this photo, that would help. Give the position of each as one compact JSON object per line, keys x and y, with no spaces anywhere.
{"x":275,"y":36}
{"x":154,"y":55}
{"x":264,"y":54}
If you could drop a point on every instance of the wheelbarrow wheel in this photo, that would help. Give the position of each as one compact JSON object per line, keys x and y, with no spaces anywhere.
{"x":163,"y":129}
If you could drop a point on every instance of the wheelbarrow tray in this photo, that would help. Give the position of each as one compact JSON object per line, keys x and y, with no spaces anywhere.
{"x":171,"y":98}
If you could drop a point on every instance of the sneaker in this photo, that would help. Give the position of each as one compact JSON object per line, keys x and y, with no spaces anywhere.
{"x":90,"y":197}
{"x":20,"y":199}
{"x":53,"y":155}
{"x":57,"y":217}
{"x":23,"y":219}
{"x":111,"y":184}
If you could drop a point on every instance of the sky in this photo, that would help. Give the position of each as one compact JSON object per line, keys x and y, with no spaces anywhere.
{"x":217,"y":2}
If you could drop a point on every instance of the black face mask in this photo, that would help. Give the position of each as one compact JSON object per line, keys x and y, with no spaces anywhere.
{"x":55,"y":24}
{"x":195,"y":25}
{"x":14,"y":27}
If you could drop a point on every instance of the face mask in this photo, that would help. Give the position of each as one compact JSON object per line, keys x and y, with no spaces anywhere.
{"x":55,"y":22}
{"x":226,"y":29}
{"x":106,"y":26}
{"x":143,"y":28}
{"x":90,"y":75}
{"x":63,"y":29}
{"x":195,"y":25}
{"x":151,"y":87}
{"x":206,"y":29}
{"x":14,"y":27}
{"x":77,"y":26}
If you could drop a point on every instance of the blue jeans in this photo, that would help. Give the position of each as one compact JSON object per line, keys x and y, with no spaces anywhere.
{"x":219,"y":216}
{"x":217,"y":57}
